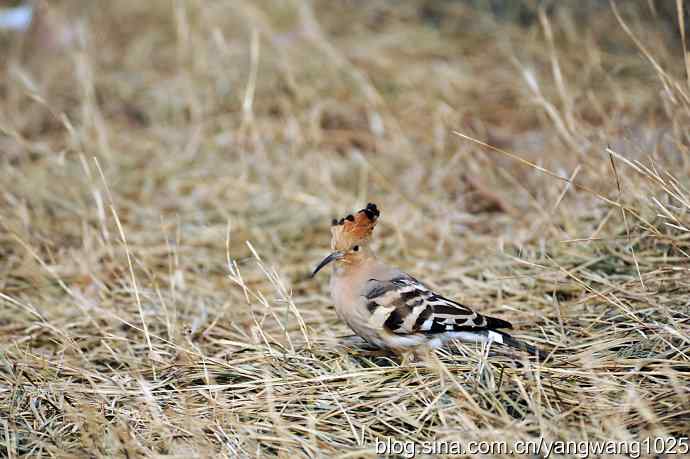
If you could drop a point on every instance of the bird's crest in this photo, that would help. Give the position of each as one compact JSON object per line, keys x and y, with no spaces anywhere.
{"x":352,"y":229}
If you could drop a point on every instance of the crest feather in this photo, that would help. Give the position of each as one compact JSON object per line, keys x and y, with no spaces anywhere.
{"x":354,"y":228}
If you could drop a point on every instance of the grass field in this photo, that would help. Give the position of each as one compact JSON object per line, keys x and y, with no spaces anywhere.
{"x":169,"y":170}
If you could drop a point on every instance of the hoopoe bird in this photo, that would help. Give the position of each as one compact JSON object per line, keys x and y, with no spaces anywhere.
{"x":391,"y":309}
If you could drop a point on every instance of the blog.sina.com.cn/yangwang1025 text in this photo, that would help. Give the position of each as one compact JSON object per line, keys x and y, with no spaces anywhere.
{"x":540,"y":447}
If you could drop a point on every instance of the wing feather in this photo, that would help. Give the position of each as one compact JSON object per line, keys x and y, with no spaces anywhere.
{"x":404,"y":306}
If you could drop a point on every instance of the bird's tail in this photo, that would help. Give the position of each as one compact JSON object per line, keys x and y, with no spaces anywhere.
{"x":509,"y":341}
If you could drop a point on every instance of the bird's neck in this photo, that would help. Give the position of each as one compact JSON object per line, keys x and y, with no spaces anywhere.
{"x":352,"y":265}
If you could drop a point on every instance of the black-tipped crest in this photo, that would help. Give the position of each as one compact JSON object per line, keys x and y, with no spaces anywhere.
{"x":371,"y":211}
{"x":351,"y":229}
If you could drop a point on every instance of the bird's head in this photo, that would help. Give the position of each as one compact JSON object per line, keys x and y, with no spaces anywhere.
{"x":350,"y":237}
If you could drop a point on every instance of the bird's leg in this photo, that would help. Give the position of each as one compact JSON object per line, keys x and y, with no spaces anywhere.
{"x":407,"y":357}
{"x":417,"y":354}
{"x":423,"y":353}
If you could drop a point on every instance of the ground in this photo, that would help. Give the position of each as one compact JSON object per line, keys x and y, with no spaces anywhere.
{"x":169,"y":171}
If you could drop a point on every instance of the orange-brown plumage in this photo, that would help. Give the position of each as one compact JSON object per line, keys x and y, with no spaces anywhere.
{"x":353,"y":229}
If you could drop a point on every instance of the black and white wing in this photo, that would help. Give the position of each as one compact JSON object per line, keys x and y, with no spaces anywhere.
{"x":405,"y":306}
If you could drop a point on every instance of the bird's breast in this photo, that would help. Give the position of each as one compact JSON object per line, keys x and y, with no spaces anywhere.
{"x":350,"y":306}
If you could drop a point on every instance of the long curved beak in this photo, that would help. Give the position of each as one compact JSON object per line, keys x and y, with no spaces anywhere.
{"x":325,"y":261}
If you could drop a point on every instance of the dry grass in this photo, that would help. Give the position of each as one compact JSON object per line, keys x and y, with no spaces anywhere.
{"x":167,"y":182}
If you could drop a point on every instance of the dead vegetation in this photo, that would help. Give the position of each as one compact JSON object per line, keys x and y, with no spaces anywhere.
{"x":168,"y":172}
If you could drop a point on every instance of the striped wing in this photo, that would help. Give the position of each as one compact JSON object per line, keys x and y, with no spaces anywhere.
{"x":404,"y":305}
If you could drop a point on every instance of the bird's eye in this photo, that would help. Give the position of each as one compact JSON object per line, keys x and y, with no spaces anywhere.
{"x":355,"y":248}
